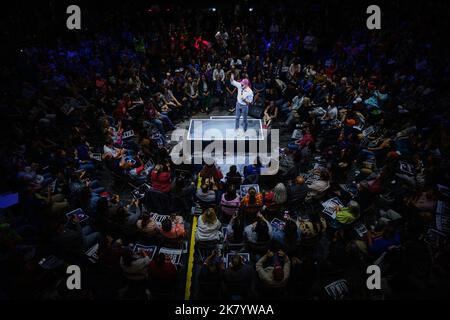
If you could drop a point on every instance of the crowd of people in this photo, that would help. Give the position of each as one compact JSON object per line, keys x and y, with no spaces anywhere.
{"x":365,"y":180}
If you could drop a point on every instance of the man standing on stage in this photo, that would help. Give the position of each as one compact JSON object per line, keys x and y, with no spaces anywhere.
{"x":244,"y":98}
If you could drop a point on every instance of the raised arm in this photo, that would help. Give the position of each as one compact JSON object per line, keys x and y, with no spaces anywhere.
{"x":233,"y":82}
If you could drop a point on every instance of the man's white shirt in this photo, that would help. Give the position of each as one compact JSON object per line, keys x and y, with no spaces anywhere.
{"x":244,"y":96}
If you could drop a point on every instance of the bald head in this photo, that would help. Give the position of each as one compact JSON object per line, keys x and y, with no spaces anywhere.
{"x":299,"y":180}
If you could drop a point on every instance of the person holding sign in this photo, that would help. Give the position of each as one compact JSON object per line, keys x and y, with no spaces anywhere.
{"x":244,"y":99}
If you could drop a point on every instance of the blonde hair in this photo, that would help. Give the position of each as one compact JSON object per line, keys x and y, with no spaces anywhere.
{"x":209,"y":216}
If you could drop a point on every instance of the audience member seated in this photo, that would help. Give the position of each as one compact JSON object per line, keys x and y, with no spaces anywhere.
{"x":251,"y":204}
{"x":162,"y":274}
{"x":270,"y":114}
{"x":109,"y":252}
{"x":134,"y":167}
{"x":348,"y":214}
{"x":275,"y":200}
{"x":298,"y":190}
{"x":211,"y":172}
{"x":206,"y":194}
{"x":233,"y":177}
{"x":289,"y":236}
{"x":259,"y":232}
{"x":210,"y":277}
{"x":182,"y":194}
{"x":312,"y":229}
{"x":160,"y":178}
{"x":317,"y":189}
{"x":74,"y":238}
{"x":208,"y":227}
{"x":135,"y":265}
{"x":127,"y":216}
{"x":235,"y":230}
{"x":303,"y":143}
{"x":237,"y":279}
{"x":252,"y":172}
{"x":383,"y":241}
{"x":230,"y":203}
{"x":274,"y":269}
{"x":113,"y":152}
{"x":173,"y":228}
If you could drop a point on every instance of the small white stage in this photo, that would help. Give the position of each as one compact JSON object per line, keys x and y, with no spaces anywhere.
{"x":221,"y":128}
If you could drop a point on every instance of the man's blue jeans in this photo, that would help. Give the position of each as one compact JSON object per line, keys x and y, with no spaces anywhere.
{"x":159,"y":125}
{"x":165,"y":118}
{"x":241,"y":109}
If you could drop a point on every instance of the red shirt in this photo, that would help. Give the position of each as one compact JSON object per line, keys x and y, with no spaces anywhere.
{"x":161,"y":181}
{"x":306,"y":140}
{"x":177,"y":231}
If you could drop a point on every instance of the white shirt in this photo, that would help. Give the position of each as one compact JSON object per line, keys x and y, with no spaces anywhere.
{"x":236,"y":62}
{"x":109,"y":150}
{"x":219,"y":73}
{"x":246,"y":94}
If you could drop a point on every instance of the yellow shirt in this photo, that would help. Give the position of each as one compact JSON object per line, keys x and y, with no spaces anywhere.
{"x":344,"y":216}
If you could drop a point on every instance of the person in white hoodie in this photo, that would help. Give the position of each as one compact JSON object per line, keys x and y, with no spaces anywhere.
{"x":208,"y":227}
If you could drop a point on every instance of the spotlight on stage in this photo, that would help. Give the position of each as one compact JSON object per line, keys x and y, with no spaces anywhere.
{"x":212,"y":9}
{"x":250,"y":9}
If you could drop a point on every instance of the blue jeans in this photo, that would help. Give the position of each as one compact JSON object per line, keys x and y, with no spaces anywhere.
{"x":284,"y":108}
{"x":292,"y":146}
{"x":157,"y":123}
{"x":368,"y":154}
{"x":165,"y":118}
{"x":241,"y":109}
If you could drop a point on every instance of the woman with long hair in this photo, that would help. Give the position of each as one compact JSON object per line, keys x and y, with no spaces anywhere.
{"x":208,"y":227}
{"x":235,"y":230}
{"x":270,"y":114}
